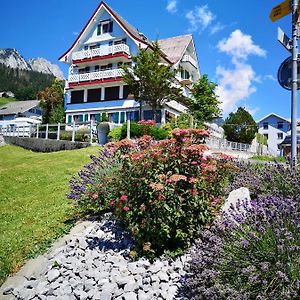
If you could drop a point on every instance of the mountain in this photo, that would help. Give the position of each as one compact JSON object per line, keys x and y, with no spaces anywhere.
{"x":13,"y":59}
{"x":44,"y":66}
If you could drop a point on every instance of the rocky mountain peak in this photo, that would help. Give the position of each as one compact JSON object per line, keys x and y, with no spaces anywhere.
{"x":13,"y":59}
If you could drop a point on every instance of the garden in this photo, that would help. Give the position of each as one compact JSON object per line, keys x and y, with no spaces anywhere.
{"x":169,"y":191}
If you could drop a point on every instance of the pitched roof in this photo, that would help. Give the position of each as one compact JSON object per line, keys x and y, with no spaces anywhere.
{"x":16,"y":107}
{"x":133,"y":32}
{"x":175,"y":47}
{"x":273,"y":114}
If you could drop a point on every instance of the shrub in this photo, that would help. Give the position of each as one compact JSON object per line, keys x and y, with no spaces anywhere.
{"x":79,"y":136}
{"x":277,"y":180}
{"x":139,"y":130}
{"x":249,"y":254}
{"x":115,"y":134}
{"x":96,"y":185}
{"x":168,"y":190}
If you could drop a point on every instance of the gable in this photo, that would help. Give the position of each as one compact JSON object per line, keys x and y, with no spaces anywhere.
{"x":104,"y":12}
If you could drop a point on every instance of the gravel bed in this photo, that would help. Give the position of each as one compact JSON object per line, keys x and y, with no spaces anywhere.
{"x":95,"y":265}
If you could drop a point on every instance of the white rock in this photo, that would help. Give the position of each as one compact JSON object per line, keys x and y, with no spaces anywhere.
{"x":241,"y":195}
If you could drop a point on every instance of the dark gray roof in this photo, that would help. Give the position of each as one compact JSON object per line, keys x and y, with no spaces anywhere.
{"x":15,"y":107}
{"x":288,"y":140}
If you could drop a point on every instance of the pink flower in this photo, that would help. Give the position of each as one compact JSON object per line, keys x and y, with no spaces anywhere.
{"x":126,"y":208}
{"x":123,"y":198}
{"x":137,"y":156}
{"x":156,"y":186}
{"x":193,"y":163}
{"x":112,"y":202}
{"x":176,"y":177}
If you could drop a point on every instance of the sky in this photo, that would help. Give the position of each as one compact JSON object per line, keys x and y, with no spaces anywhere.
{"x":236,"y":42}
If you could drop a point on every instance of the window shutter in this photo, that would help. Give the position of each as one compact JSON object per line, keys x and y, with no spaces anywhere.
{"x":110,"y":26}
{"x":99,"y":29}
{"x":69,"y":119}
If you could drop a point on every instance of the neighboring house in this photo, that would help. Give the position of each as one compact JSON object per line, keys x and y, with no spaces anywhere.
{"x":95,"y":84}
{"x":16,"y":109}
{"x":274,"y":128}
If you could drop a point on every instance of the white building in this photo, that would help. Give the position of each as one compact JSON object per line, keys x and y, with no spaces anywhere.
{"x":95,"y":84}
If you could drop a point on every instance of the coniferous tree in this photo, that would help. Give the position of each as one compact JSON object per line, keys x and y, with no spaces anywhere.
{"x":240,"y":127}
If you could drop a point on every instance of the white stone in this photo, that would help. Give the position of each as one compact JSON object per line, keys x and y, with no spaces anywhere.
{"x":242,"y":194}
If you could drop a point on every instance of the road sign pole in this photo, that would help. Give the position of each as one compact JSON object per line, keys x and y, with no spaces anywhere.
{"x":294,"y":84}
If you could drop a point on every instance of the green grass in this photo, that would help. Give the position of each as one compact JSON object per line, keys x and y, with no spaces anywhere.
{"x":4,"y":100}
{"x":33,"y":206}
{"x":269,"y":158}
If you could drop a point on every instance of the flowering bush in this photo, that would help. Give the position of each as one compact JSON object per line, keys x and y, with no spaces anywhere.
{"x":97,"y":184}
{"x":277,"y":180}
{"x":250,"y":253}
{"x":149,"y":122}
{"x":168,"y":189}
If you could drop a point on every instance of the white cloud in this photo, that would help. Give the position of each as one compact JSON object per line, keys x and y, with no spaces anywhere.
{"x":240,"y":46}
{"x":172,"y":6}
{"x":216,"y":28}
{"x":199,"y":18}
{"x":270,"y":77}
{"x":75,"y":33}
{"x":236,"y":84}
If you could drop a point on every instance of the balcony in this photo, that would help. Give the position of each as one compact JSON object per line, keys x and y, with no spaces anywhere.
{"x":95,"y":76}
{"x":101,"y":52}
{"x":189,"y":59}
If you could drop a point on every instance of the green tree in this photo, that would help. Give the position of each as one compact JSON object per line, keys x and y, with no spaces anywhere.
{"x":204,"y":103}
{"x":151,"y":81}
{"x":240,"y":127}
{"x":52,"y":102}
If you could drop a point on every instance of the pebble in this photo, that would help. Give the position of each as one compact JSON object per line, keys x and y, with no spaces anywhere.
{"x":95,"y":265}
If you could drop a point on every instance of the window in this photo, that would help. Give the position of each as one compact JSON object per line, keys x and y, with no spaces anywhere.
{"x":266,"y":125}
{"x":266,"y":135}
{"x":76,"y":97}
{"x":95,"y":117}
{"x":148,"y":115}
{"x":125,"y":91}
{"x":280,"y":135}
{"x":105,"y":27}
{"x":132,"y":115}
{"x":94,"y":95}
{"x":96,"y":68}
{"x":112,"y":93}
{"x":113,"y":117}
{"x":118,"y":42}
{"x":106,"y":67}
{"x":69,"y":119}
{"x":279,"y":125}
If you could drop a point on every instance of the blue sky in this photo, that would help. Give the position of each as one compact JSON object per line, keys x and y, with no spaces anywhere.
{"x":236,"y":41}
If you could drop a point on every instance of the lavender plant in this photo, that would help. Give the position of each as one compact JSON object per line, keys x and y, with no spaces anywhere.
{"x":277,"y":180}
{"x":249,"y":253}
{"x":96,"y":184}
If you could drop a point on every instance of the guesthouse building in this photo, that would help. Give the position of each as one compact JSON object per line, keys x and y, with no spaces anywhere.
{"x":95,"y":82}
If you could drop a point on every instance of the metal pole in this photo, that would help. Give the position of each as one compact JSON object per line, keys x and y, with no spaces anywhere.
{"x":294,"y":85}
{"x":128,"y":129}
{"x":73,"y":132}
{"x":91,"y":131}
{"x":58,"y":131}
{"x":47,"y":131}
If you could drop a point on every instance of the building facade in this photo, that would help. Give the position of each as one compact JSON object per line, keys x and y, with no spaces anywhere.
{"x":95,"y":84}
{"x":274,"y":128}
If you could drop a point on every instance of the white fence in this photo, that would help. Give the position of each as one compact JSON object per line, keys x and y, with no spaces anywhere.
{"x":82,"y":131}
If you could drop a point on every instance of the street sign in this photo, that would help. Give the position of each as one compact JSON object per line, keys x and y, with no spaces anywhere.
{"x":284,"y":74}
{"x":281,"y":10}
{"x":284,"y":40}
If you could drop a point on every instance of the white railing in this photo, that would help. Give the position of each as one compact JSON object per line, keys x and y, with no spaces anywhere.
{"x":188,"y":58}
{"x":95,"y":75}
{"x":52,"y":131}
{"x":101,"y":51}
{"x":222,"y":144}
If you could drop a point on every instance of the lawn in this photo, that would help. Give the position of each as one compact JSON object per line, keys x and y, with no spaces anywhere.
{"x":4,"y":100}
{"x":33,"y":206}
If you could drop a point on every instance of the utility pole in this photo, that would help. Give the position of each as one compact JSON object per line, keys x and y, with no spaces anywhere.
{"x":281,"y":10}
{"x":294,"y":83}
